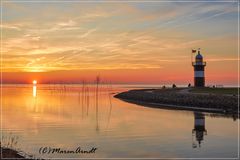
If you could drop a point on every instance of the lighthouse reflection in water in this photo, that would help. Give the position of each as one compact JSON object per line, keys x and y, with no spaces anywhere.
{"x":199,"y":129}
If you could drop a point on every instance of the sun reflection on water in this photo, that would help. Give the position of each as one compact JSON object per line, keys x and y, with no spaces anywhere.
{"x":34,"y":91}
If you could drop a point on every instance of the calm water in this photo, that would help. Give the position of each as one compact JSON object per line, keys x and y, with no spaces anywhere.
{"x":67,"y":117}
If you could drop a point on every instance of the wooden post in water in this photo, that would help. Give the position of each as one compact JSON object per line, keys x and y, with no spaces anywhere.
{"x":97,"y":85}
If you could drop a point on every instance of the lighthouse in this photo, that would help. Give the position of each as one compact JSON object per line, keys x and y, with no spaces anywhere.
{"x":199,"y":65}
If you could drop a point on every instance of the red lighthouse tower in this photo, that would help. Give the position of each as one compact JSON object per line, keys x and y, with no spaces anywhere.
{"x":199,"y":65}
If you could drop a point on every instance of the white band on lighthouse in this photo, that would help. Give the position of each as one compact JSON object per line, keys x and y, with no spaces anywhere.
{"x":199,"y":74}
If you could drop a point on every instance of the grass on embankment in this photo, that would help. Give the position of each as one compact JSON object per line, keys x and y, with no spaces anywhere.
{"x":232,"y":91}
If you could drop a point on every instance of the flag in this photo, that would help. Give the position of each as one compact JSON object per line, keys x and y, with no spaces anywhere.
{"x":194,"y":50}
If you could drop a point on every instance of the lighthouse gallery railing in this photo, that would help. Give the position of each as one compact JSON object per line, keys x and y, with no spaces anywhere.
{"x":199,"y":63}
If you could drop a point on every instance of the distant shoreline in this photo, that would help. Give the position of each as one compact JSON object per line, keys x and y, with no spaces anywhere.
{"x":184,"y":99}
{"x":126,"y":85}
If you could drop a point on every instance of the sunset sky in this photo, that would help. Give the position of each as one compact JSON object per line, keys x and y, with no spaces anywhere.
{"x":123,"y":42}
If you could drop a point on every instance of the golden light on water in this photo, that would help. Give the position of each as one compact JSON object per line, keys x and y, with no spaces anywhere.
{"x":34,"y":88}
{"x":34,"y":91}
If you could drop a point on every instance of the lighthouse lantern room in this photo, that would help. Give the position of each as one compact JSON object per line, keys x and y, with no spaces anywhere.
{"x":199,"y":65}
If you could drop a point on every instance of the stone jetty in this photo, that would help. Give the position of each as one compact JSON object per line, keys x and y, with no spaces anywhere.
{"x":182,"y":98}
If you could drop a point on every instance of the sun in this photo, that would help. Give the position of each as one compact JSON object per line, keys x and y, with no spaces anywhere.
{"x":34,"y":82}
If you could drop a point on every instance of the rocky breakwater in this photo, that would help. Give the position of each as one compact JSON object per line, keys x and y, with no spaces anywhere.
{"x":182,"y":99}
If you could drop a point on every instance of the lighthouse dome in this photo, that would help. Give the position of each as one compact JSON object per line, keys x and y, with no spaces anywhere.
{"x":199,"y":56}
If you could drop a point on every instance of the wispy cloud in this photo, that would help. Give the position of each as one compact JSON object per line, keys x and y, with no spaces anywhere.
{"x":113,"y":36}
{"x":88,"y":33}
{"x":9,"y":26}
{"x":69,"y":23}
{"x":222,"y":59}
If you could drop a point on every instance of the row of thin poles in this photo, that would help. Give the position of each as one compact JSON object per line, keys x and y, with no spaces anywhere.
{"x":84,"y":94}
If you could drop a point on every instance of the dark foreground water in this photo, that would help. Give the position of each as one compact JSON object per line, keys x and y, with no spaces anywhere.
{"x":67,"y":117}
